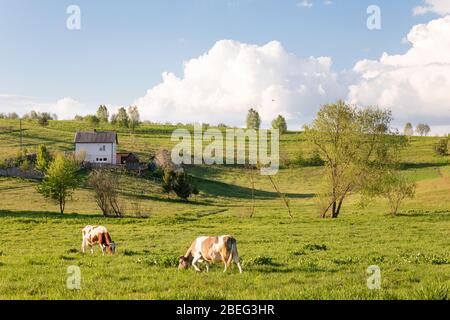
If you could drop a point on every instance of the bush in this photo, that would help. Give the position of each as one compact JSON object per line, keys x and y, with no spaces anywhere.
{"x":259,"y":261}
{"x":43,"y":119}
{"x":106,"y":189}
{"x":316,"y":247}
{"x":441,"y":148}
{"x":314,"y":161}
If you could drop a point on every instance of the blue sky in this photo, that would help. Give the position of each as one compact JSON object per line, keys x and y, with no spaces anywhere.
{"x":123,"y":47}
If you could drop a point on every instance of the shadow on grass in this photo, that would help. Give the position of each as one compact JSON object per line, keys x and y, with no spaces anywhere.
{"x":409,"y":165}
{"x":222,"y":189}
{"x":46,"y":214}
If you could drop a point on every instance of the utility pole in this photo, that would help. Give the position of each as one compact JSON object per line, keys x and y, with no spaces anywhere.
{"x":21,"y":139}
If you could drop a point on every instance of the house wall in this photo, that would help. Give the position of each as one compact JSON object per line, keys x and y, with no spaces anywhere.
{"x":95,"y":151}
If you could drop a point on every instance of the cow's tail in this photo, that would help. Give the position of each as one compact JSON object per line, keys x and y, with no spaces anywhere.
{"x":233,"y":249}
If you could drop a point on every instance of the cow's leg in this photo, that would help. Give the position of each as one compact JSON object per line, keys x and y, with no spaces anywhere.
{"x":196,"y":259}
{"x":92,"y":248}
{"x":101,"y":243}
{"x":236,"y":260}
{"x":224,"y":262}
{"x":207,"y":266}
{"x":83,"y":245}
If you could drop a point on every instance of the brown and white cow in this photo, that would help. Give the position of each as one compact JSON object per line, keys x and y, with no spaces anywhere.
{"x":97,"y":234}
{"x":209,"y":250}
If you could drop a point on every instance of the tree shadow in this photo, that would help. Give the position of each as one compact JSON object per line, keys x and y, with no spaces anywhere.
{"x":424,"y":165}
{"x":46,"y":214}
{"x":222,"y":189}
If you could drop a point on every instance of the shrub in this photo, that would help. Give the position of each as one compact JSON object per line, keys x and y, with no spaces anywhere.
{"x":183,"y":186}
{"x":316,"y":247}
{"x":106,"y":189}
{"x":314,"y":161}
{"x":259,"y":261}
{"x":441,"y":148}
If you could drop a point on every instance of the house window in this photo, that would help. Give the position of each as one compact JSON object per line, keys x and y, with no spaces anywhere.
{"x":104,"y":159}
{"x":103,"y":148}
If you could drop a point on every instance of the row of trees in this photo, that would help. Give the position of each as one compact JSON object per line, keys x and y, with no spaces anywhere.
{"x":124,"y":118}
{"x":43,"y":118}
{"x":422,"y":129}
{"x":254,"y":121}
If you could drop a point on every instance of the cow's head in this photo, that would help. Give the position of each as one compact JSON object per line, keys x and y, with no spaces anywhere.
{"x":183,"y":263}
{"x":112,"y":247}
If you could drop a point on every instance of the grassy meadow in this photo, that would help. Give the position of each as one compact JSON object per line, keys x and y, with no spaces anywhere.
{"x":301,"y":258}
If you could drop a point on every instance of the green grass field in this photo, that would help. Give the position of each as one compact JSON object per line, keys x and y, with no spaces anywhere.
{"x":301,"y":258}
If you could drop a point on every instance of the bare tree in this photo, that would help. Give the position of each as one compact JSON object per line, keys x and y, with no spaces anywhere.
{"x":106,"y":188}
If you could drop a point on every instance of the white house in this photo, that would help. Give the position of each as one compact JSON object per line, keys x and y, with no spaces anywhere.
{"x":100,"y":146}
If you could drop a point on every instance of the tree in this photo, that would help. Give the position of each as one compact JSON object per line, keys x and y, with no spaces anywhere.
{"x":42,"y":159}
{"x":102,"y":113}
{"x":408,"y":130}
{"x":59,"y":181}
{"x":182,"y":186}
{"x":280,"y":123}
{"x":13,"y":116}
{"x":253,"y":119}
{"x":113,"y":119}
{"x":106,"y":188}
{"x":43,"y":119}
{"x":395,"y":188}
{"x":92,"y":120}
{"x":121,"y":118}
{"x":133,"y":117}
{"x":441,"y":147}
{"x":356,"y":146}
{"x":168,"y":181}
{"x":423,"y":129}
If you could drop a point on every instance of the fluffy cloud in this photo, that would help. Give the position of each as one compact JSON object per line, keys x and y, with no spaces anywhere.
{"x":414,"y":85}
{"x":440,"y":7}
{"x":65,"y":108}
{"x":221,"y":85}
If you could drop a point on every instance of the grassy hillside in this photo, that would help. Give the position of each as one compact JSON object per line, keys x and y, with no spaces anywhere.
{"x":304,"y":257}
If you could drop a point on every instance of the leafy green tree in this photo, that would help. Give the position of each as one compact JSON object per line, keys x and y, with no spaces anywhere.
{"x":441,"y":147}
{"x":13,"y":116}
{"x":408,"y":130}
{"x":280,"y":124}
{"x":93,"y":120}
{"x":133,"y":117}
{"x":122,"y":118}
{"x":168,"y":181}
{"x":42,"y":158}
{"x":59,"y":182}
{"x":395,"y":188}
{"x":423,"y":129}
{"x":253,"y":119}
{"x":102,"y":113}
{"x":183,"y":186}
{"x":357,"y":148}
{"x":43,"y":119}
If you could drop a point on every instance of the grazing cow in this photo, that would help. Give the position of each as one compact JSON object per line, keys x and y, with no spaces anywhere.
{"x":100,"y":235}
{"x":210,"y":250}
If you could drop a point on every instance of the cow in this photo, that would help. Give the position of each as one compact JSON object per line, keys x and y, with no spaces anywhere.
{"x":97,"y":234}
{"x":209,"y":250}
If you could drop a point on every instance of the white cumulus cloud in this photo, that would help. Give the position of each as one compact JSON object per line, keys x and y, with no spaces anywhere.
{"x":414,"y":85}
{"x":440,"y":7}
{"x":222,"y":84}
{"x":65,"y":108}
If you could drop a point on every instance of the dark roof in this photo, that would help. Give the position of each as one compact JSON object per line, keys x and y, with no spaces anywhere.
{"x":96,"y":137}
